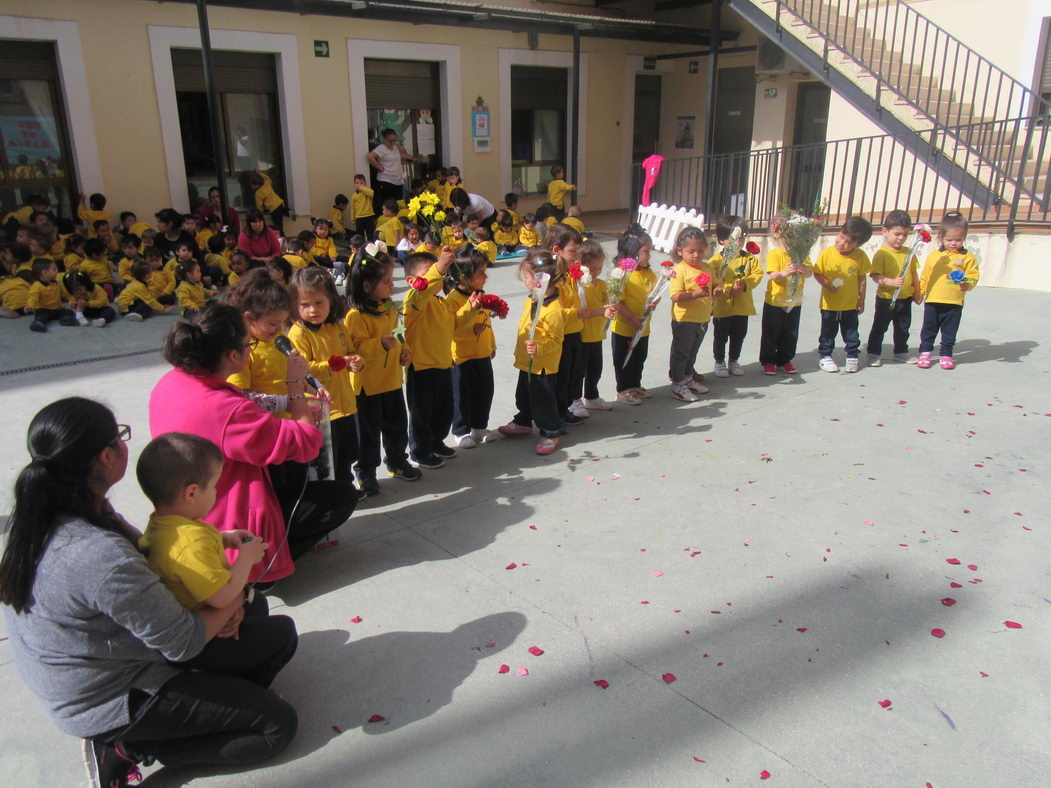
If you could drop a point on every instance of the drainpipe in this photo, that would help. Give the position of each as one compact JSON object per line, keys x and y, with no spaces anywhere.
{"x":574,"y":142}
{"x":709,"y":125}
{"x":215,"y":119}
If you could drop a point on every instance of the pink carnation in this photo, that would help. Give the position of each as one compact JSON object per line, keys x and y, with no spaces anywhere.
{"x":629,"y":264}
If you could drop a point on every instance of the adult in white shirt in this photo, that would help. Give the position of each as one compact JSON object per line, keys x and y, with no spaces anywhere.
{"x":473,"y":204}
{"x":387,"y":158}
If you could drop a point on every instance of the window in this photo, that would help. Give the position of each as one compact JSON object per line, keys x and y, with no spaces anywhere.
{"x":34,"y":150}
{"x":404,"y":95}
{"x":247,"y":86}
{"x":538,"y":125}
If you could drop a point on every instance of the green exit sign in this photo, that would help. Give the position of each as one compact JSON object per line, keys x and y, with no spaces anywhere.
{"x":320,"y":48}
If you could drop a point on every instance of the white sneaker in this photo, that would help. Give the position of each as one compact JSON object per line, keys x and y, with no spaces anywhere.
{"x":852,"y":365}
{"x":81,"y":320}
{"x":683,"y":393}
{"x":874,"y":361}
{"x":827,"y":364}
{"x":736,"y":369}
{"x":720,"y":370}
{"x":695,"y":387}
{"x":134,"y":317}
{"x":482,"y":436}
{"x":906,"y":358}
{"x":597,"y":404}
{"x":467,"y":442}
{"x":579,"y":410}
{"x":99,"y":322}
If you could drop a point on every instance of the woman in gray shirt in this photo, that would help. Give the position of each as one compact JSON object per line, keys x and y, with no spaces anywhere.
{"x":93,"y":630}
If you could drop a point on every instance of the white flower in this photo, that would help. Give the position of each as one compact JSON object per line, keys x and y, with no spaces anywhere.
{"x":837,"y":283}
{"x":585,"y":278}
{"x":616,"y":273}
{"x":736,"y":234}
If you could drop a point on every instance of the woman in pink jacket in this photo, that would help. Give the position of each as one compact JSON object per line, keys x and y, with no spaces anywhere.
{"x":257,"y":240}
{"x":194,"y":397}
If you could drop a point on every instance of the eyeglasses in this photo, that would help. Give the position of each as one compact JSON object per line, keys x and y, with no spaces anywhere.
{"x":250,"y":344}
{"x":123,"y":432}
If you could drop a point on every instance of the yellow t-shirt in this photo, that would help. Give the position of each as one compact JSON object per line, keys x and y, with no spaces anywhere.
{"x":529,"y":238}
{"x":569,"y":298}
{"x":96,"y":297}
{"x":594,"y":329}
{"x":548,"y":337}
{"x":556,"y":192}
{"x":323,"y":247}
{"x":124,"y":268}
{"x":192,"y":295}
{"x":14,"y":292}
{"x":777,"y":259}
{"x":383,"y":370}
{"x":44,"y":296}
{"x":851,"y":269}
{"x":335,"y":216}
{"x":265,"y":372}
{"x":295,"y":261}
{"x":453,"y":242}
{"x":935,"y":282}
{"x":266,"y":198}
{"x":202,"y":239}
{"x":220,"y":261}
{"x":746,"y":269}
{"x":361,"y":203}
{"x":685,"y":281}
{"x":89,"y":217}
{"x":98,"y":270}
{"x":391,"y":231}
{"x":161,"y":282}
{"x":633,"y":296}
{"x":137,"y":291}
{"x":473,"y":337}
{"x":506,"y":237}
{"x":429,"y":324}
{"x":188,"y":556}
{"x":888,"y":263}
{"x":233,"y":279}
{"x":575,"y":223}
{"x":488,"y":248}
{"x":317,"y":345}
{"x":72,"y":261}
{"x":20,"y":215}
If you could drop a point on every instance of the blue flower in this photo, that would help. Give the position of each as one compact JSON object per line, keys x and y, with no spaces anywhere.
{"x":957,"y":275}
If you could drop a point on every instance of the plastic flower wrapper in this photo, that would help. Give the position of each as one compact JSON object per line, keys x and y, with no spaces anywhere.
{"x":919,"y":245}
{"x":618,"y":277}
{"x":536,"y":293}
{"x":731,"y":249}
{"x":656,"y":292}
{"x":800,"y":232}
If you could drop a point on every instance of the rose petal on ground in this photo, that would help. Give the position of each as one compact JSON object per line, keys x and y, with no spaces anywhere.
{"x":601,"y":683}
{"x":948,"y":601}
{"x":1026,"y":528}
{"x":954,"y":584}
{"x":337,"y":729}
{"x":523,"y":672}
{"x":801,"y":629}
{"x":698,"y":759}
{"x":983,"y":674}
{"x":504,"y":669}
{"x":953,"y":561}
{"x":532,"y":528}
{"x":511,"y":565}
{"x":973,"y":567}
{"x":869,"y":522}
{"x":658,"y":574}
{"x":644,"y":602}
{"x":490,"y":643}
{"x":1012,"y":625}
{"x":966,"y":511}
{"x":884,"y":703}
{"x":377,"y":718}
{"x":615,"y":476}
{"x":669,"y":678}
{"x":536,"y":651}
{"x":356,"y":620}
{"x":938,"y":633}
{"x":764,"y":775}
{"x":591,"y":478}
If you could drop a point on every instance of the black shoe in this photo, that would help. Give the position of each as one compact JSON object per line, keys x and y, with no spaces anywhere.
{"x":406,"y":472}
{"x":445,"y":452}
{"x":107,"y":766}
{"x":367,"y":485}
{"x":571,"y":419}
{"x":428,"y":461}
{"x":40,"y":328}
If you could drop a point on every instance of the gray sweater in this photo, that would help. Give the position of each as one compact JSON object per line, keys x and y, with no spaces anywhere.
{"x":98,"y":625}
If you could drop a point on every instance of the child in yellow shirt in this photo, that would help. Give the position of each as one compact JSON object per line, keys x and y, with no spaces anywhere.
{"x":335,"y":216}
{"x":889,"y":274}
{"x":89,"y":301}
{"x":266,"y":199}
{"x":323,"y":248}
{"x":96,"y":264}
{"x":948,"y":273}
{"x":511,"y":207}
{"x":529,"y":235}
{"x":596,"y":316}
{"x":506,"y":234}
{"x":556,"y":190}
{"x":484,"y":245}
{"x":634,"y":244}
{"x":732,"y":294}
{"x":135,"y":301}
{"x":690,"y":293}
{"x":841,"y":270}
{"x":45,"y":297}
{"x":391,"y":230}
{"x":363,"y":211}
{"x":537,"y":356}
{"x":161,"y":281}
{"x":179,"y":473}
{"x":129,"y":245}
{"x":191,"y":293}
{"x":93,"y":210}
{"x":573,"y":219}
{"x":74,"y":255}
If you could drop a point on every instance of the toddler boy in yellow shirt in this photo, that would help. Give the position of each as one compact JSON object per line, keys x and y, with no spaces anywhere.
{"x":841,"y":270}
{"x":556,"y":190}
{"x":179,"y":473}
{"x":362,"y":209}
{"x":889,"y":273}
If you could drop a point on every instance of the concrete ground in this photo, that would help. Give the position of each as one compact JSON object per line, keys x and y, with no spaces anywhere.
{"x":755,"y":576}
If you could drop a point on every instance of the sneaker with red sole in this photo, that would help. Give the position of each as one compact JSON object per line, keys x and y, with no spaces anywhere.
{"x":769,"y":369}
{"x":547,"y":446}
{"x":946,"y":362}
{"x":790,"y":368}
{"x":924,"y":361}
{"x":108,"y":765}
{"x":512,"y":430}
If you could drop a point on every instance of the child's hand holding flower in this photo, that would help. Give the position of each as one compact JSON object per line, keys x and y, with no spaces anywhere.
{"x":355,"y":363}
{"x":388,"y":341}
{"x":530,"y":347}
{"x":337,"y":363}
{"x":406,"y":357}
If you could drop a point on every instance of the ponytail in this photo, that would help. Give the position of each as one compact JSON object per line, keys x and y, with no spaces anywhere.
{"x":199,"y":347}
{"x":65,"y":439}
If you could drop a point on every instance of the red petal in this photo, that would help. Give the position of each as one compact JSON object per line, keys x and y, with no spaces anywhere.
{"x":938,"y":633}
{"x":953,"y":561}
{"x":884,"y":703}
{"x":983,"y":674}
{"x":504,"y":669}
{"x":698,"y":759}
{"x":801,"y":629}
{"x":644,"y":602}
{"x":973,"y":567}
{"x":954,"y":584}
{"x":532,"y":528}
{"x":356,"y":620}
{"x":764,"y":775}
{"x":376,"y":718}
{"x":511,"y":565}
{"x":948,"y":601}
{"x":669,"y":678}
{"x":602,"y":683}
{"x":337,"y":729}
{"x":1012,"y":625}
{"x":536,"y":651}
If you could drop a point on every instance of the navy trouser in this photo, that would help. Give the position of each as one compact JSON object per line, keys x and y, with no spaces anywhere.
{"x":473,"y":390}
{"x":629,"y":376}
{"x":844,"y":322}
{"x":592,"y":353}
{"x":732,"y":329}
{"x":430,"y":396}
{"x":900,"y":314}
{"x":944,"y":318}
{"x":381,"y":416}
{"x":537,"y":403}
{"x":686,"y":341}
{"x":344,"y":447}
{"x":65,"y":317}
{"x":570,"y":371}
{"x":777,"y":345}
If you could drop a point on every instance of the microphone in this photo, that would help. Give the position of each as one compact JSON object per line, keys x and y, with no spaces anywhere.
{"x":282,"y":343}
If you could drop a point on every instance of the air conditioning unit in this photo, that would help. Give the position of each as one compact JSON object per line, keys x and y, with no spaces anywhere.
{"x":771,"y":60}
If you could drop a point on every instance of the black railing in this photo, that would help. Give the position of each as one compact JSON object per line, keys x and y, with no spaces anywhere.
{"x":921,"y":64}
{"x":870,"y":176}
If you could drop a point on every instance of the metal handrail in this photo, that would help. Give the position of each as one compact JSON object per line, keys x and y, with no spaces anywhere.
{"x":923,"y":53}
{"x":867,"y":176}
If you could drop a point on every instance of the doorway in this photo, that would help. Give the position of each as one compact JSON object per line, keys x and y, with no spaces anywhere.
{"x":807,"y":160}
{"x":731,"y":141}
{"x":645,"y":138}
{"x":404,"y":95}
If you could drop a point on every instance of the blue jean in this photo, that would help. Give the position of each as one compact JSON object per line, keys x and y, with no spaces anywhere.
{"x":846,"y":323}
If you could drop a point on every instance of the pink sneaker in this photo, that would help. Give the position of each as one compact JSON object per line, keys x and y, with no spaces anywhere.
{"x":946,"y":362}
{"x":769,"y":369}
{"x":547,"y":446}
{"x":790,"y":368}
{"x":512,"y":430}
{"x":924,"y":361}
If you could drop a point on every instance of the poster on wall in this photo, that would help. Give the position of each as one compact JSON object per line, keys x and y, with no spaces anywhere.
{"x":480,"y":121}
{"x":685,"y":125}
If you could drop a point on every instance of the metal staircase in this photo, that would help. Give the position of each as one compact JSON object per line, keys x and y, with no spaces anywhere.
{"x":951,"y":107}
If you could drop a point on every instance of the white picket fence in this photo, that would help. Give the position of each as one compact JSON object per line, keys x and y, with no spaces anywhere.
{"x":665,"y":222}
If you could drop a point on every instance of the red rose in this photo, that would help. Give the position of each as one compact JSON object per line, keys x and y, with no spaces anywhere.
{"x":703,"y":279}
{"x":925,"y":236}
{"x":576,"y":271}
{"x":752,"y":247}
{"x":420,"y":284}
{"x":495,"y":304}
{"x":667,"y":264}
{"x":337,"y":363}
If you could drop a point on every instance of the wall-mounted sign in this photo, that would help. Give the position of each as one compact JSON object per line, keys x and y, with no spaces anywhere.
{"x":480,"y":121}
{"x":695,"y":66}
{"x":320,"y":48}
{"x":770,"y":93}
